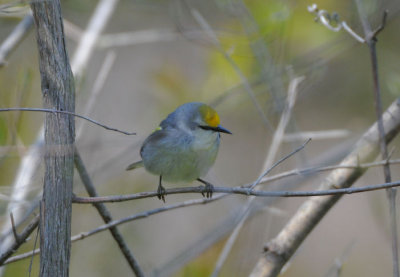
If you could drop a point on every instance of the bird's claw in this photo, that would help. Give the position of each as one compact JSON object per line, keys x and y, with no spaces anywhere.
{"x":208,"y":190}
{"x":161,"y":193}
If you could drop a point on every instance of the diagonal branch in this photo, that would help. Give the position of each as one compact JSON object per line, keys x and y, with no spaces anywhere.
{"x":105,"y":214}
{"x":117,"y":222}
{"x":19,"y":33}
{"x":279,"y":250}
{"x":22,"y":238}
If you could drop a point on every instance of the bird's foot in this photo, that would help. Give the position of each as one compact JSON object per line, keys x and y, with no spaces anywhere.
{"x":208,"y":190}
{"x":161,"y":193}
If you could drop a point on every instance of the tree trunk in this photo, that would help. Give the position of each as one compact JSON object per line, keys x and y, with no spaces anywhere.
{"x":58,"y":93}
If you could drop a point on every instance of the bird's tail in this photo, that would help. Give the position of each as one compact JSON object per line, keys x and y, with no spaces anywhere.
{"x":135,"y":165}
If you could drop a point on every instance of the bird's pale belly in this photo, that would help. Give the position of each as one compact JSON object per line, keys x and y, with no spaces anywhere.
{"x":182,"y":166}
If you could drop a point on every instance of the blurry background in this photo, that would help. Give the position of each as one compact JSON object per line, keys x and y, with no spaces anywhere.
{"x":161,"y":54}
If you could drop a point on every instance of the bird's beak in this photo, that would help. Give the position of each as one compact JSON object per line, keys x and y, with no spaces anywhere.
{"x":221,"y":129}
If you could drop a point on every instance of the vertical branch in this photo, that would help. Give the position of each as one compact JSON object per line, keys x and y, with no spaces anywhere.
{"x":391,"y":192}
{"x":31,"y":160}
{"x":58,"y":93}
{"x":371,"y":39}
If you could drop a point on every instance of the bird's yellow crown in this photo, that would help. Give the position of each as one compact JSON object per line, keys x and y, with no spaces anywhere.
{"x":209,"y":115}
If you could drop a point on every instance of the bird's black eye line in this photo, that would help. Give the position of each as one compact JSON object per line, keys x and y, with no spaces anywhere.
{"x":204,"y":127}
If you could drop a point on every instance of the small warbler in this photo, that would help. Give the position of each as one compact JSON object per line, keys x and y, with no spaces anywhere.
{"x":183,"y":147}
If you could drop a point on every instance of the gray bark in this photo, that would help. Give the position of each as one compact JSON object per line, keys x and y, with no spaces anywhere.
{"x":58,"y":93}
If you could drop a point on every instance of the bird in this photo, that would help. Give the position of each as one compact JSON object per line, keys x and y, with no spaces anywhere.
{"x":184,"y":146}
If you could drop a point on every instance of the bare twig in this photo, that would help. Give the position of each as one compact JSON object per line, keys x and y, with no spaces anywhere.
{"x":22,"y":238}
{"x":371,"y":39}
{"x":311,"y":170}
{"x":106,"y":215}
{"x":69,"y":113}
{"x":380,"y":27}
{"x":33,"y":250}
{"x":16,"y":236}
{"x":22,"y":220}
{"x":258,"y":181}
{"x":332,"y":22}
{"x":316,"y":135}
{"x":114,"y":223}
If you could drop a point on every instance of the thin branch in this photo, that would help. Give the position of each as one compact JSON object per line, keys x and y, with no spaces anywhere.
{"x":332,"y":22}
{"x":225,"y":225}
{"x":114,"y":223}
{"x":97,"y":87}
{"x":30,"y":162}
{"x":258,"y":181}
{"x":316,"y":135}
{"x":188,"y":203}
{"x":16,"y":236}
{"x":69,"y":113}
{"x":33,"y":250}
{"x":284,"y":120}
{"x":233,"y":190}
{"x":273,"y":149}
{"x":106,"y":215}
{"x":16,"y":36}
{"x":171,"y":207}
{"x":22,"y":238}
{"x":371,"y":40}
{"x":26,"y":216}
{"x":237,"y":190}
{"x":311,"y":170}
{"x":97,"y":23}
{"x":382,"y":26}
{"x":280,"y":249}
